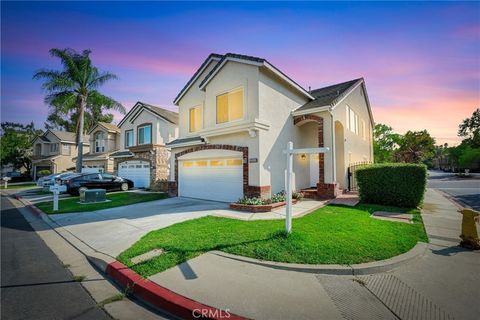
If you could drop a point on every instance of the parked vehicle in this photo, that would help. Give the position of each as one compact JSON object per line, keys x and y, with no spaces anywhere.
{"x":51,"y":180}
{"x":41,"y":180}
{"x":97,"y":180}
{"x":16,"y":176}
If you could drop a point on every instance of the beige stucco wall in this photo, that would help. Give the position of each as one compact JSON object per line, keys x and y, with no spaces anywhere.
{"x":162,"y":130}
{"x":356,"y":149}
{"x":276,"y":102}
{"x":192,"y":98}
{"x":111,"y":139}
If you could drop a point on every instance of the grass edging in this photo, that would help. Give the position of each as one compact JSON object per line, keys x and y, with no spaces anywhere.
{"x":330,"y":235}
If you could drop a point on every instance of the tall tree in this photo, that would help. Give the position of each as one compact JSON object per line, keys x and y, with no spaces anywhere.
{"x":385,"y":141}
{"x":415,"y":146}
{"x":16,"y":144}
{"x":74,"y":89}
{"x":469,"y":129}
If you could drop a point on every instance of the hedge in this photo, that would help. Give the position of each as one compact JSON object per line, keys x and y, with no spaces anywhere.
{"x":395,"y":184}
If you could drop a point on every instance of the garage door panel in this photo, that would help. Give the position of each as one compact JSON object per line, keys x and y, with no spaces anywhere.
{"x":220,"y":183}
{"x":137,"y":171}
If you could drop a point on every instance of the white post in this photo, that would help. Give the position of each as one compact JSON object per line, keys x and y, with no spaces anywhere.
{"x":288,"y":216}
{"x":55,"y":200}
{"x":6,"y":183}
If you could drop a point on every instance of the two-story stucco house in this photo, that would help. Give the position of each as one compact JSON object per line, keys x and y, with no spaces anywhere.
{"x":54,"y":151}
{"x":104,"y":140}
{"x":237,"y":114}
{"x":142,"y":155}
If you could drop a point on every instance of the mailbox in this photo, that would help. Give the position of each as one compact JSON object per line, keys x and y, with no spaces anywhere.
{"x":92,"y":195}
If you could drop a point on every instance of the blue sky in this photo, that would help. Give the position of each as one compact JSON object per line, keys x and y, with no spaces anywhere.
{"x":420,"y":60}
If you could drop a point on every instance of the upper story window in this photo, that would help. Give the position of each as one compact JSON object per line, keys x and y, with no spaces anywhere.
{"x":53,"y":147}
{"x":195,"y":120}
{"x":230,"y":106}
{"x":100,"y":141}
{"x":144,"y":133}
{"x":364,"y":130}
{"x":352,"y":120}
{"x":66,"y":148}
{"x":38,"y":149}
{"x":128,"y":138}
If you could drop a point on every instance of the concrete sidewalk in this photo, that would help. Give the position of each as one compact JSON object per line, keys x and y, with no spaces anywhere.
{"x":443,"y":283}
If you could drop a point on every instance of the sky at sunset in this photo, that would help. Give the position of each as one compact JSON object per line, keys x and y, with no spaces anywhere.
{"x":420,"y":61}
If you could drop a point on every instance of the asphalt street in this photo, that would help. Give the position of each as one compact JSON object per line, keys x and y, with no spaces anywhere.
{"x":465,"y":191}
{"x":34,"y":282}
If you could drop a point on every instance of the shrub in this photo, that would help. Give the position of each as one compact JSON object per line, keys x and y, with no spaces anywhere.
{"x":298,"y":195}
{"x":396,"y":184}
{"x":251,"y":201}
{"x":43,"y":173}
{"x":278,"y":197}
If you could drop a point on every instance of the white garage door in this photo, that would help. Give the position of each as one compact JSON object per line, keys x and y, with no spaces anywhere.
{"x":137,"y":171}
{"x":212,"y":179}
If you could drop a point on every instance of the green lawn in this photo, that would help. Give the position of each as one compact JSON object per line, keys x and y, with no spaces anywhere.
{"x":117,"y":199}
{"x":19,"y":186}
{"x":330,"y":235}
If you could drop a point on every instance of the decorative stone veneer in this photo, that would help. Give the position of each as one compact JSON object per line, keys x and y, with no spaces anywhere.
{"x":248,"y":190}
{"x":324,"y":190}
{"x":156,"y":155}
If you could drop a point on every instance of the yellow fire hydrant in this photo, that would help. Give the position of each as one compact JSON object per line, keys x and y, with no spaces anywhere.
{"x":469,"y":229}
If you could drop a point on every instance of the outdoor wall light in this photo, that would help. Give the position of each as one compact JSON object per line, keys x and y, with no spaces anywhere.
{"x":303,"y":156}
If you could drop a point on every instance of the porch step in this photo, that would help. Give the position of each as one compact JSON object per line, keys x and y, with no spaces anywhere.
{"x":310,"y":193}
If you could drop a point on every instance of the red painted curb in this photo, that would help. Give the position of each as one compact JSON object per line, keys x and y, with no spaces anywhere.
{"x":163,"y":298}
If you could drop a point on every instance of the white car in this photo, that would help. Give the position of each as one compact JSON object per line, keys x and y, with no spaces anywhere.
{"x":50,"y":181}
{"x":42,"y":180}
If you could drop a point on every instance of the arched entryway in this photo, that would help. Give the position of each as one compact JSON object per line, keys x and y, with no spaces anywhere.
{"x":340,"y":155}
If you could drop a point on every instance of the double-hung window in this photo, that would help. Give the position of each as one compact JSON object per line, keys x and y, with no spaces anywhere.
{"x":196,"y":120}
{"x":54,"y":147}
{"x":144,"y":133}
{"x":352,"y":120}
{"x":230,"y":106}
{"x":99,"y":142}
{"x":128,"y":138}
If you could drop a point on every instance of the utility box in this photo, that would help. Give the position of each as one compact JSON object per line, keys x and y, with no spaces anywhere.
{"x":93,"y":195}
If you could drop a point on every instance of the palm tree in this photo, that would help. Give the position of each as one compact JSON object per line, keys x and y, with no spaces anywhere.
{"x":75,"y":88}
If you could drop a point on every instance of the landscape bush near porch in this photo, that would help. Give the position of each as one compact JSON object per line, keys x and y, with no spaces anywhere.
{"x":395,"y":184}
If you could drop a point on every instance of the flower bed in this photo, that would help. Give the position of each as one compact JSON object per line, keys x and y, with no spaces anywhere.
{"x":263,"y":205}
{"x":259,"y":207}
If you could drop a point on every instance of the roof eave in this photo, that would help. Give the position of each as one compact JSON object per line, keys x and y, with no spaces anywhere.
{"x":311,"y":110}
{"x":205,"y":81}
{"x":212,"y":57}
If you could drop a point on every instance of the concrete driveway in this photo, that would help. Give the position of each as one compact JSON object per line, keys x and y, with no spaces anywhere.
{"x":111,"y":231}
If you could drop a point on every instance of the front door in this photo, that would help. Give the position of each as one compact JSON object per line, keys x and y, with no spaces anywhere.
{"x":314,"y":170}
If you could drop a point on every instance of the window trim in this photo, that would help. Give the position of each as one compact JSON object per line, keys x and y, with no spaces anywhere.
{"x":189,"y":119}
{"x":55,"y":147}
{"x":243,"y":105}
{"x":126,"y":140}
{"x":144,"y":125}
{"x":102,"y":144}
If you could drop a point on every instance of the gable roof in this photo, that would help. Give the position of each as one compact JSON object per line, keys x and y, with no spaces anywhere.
{"x":328,"y":96}
{"x":223,"y":59}
{"x":108,"y":126}
{"x":211,"y":57}
{"x":167,"y":115}
{"x":63,"y":136}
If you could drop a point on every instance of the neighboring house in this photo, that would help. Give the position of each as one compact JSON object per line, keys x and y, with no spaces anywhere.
{"x":54,"y":151}
{"x":237,"y":114}
{"x":104,"y":140}
{"x":142,"y":155}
